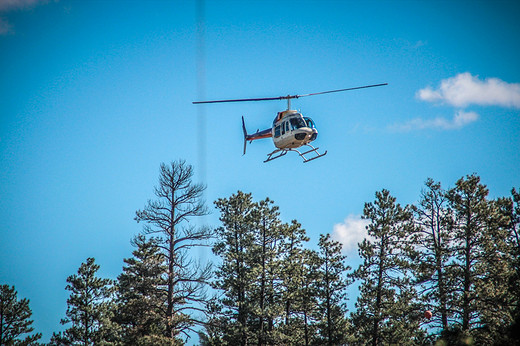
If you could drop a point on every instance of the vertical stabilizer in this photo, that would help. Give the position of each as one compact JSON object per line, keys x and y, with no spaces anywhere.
{"x":267,"y":133}
{"x":245,"y":134}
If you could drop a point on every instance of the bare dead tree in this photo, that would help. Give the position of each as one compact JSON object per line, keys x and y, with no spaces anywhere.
{"x":178,"y":200}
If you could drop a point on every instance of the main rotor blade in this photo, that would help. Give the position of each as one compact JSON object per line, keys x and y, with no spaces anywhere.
{"x":242,"y":100}
{"x":288,"y":96}
{"x":338,"y":90}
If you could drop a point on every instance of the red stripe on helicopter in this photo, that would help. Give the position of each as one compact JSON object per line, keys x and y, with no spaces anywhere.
{"x":259,"y":135}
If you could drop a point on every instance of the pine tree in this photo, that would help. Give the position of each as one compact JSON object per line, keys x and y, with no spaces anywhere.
{"x":497,"y":267}
{"x":260,"y":276}
{"x":308,"y":296}
{"x":178,"y":201}
{"x":235,"y":277}
{"x":331,"y":289}
{"x":470,"y":210}
{"x":433,"y":240}
{"x":293,"y":275}
{"x":15,"y":318}
{"x":251,"y":246}
{"x":481,"y":259}
{"x":386,"y":307}
{"x":89,"y":308}
{"x":141,"y":294}
{"x":267,"y":249}
{"x":513,"y":211}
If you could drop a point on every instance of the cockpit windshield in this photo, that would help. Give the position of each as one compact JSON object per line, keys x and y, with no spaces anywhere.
{"x":309,"y":122}
{"x":296,"y":123}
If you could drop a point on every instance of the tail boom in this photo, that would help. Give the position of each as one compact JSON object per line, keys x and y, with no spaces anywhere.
{"x":267,"y":133}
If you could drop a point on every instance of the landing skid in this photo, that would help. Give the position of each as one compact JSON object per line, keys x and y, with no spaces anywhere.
{"x":282,"y":152}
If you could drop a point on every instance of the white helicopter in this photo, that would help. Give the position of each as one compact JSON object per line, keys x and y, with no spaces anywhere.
{"x":290,"y":130}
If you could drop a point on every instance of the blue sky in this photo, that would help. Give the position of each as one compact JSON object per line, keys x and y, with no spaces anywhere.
{"x":94,"y":95}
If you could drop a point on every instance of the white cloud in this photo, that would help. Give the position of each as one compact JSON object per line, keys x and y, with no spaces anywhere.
{"x":350,"y":232}
{"x":464,"y":90}
{"x":459,"y":120}
{"x":461,"y":91}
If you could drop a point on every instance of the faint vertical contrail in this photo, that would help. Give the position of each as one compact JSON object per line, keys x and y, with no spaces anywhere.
{"x":201,"y":90}
{"x":201,"y":109}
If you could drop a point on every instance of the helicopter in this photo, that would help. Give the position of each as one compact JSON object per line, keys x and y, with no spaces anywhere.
{"x":290,"y":130}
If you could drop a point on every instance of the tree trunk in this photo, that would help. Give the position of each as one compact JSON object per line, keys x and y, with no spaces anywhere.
{"x":240,"y":293}
{"x":171,"y":273}
{"x":262,"y":291}
{"x":375,"y":335}
{"x":327,"y":292}
{"x":306,"y":328}
{"x":467,"y":275}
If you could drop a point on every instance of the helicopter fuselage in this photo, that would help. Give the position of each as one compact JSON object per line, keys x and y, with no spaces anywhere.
{"x":291,"y":130}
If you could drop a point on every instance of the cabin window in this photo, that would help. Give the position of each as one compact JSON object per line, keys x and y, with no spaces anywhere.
{"x":296,"y":123}
{"x":287,"y":126}
{"x":277,"y":131}
{"x":309,"y":122}
{"x":283,"y":128}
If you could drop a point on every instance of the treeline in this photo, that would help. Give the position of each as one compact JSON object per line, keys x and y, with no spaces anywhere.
{"x":445,"y":271}
{"x":456,"y":255}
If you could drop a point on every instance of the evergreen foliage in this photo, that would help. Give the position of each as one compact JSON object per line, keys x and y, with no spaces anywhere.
{"x":331,"y":285}
{"x":456,"y":254}
{"x":434,"y":241}
{"x":295,"y":280}
{"x":481,"y":260}
{"x":512,"y":209}
{"x":89,"y":308}
{"x":387,"y":311}
{"x":141,"y":294}
{"x":272,"y":288}
{"x":15,"y":318}
{"x":470,"y":211}
{"x":236,"y":276}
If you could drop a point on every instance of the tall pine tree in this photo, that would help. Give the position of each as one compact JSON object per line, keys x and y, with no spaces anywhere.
{"x":293,"y":277}
{"x":266,"y":251}
{"x":496,"y":265}
{"x":513,"y":211}
{"x":386,"y":307}
{"x":310,"y":284}
{"x":331,"y":289}
{"x":481,"y":260}
{"x":470,"y":212}
{"x":433,"y":241}
{"x":235,"y":277}
{"x":260,"y":278}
